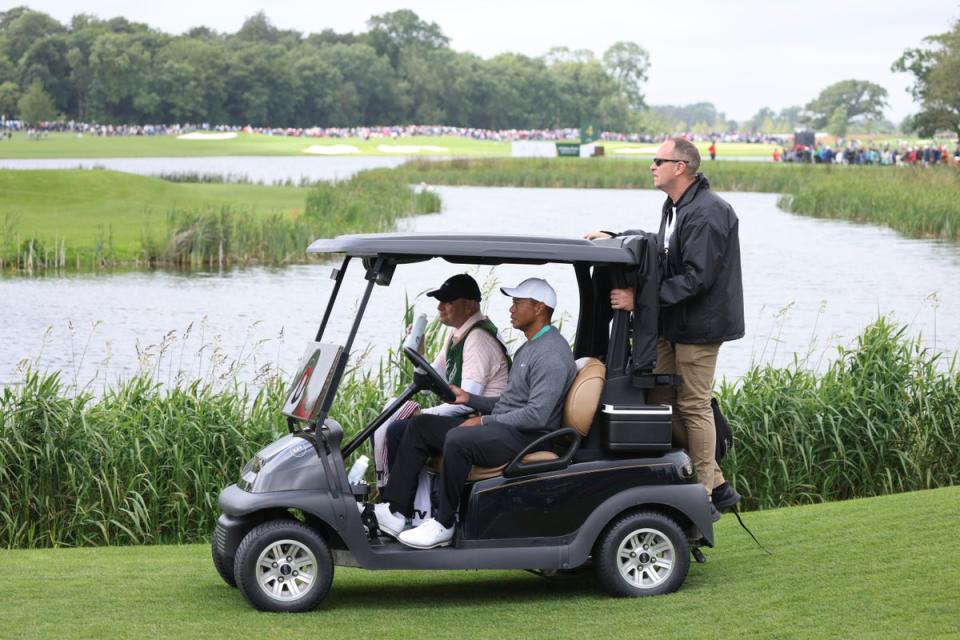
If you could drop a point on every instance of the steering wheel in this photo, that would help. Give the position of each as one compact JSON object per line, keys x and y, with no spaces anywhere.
{"x":427,"y":377}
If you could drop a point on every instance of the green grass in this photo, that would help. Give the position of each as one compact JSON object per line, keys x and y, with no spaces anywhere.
{"x":64,"y":145}
{"x":874,"y":568}
{"x":916,"y":201}
{"x":83,"y":207}
{"x":105,"y":218}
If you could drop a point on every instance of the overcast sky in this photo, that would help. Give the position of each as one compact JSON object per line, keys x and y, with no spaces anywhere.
{"x":738,"y":54}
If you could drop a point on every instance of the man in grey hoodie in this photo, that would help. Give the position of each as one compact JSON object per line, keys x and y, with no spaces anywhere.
{"x":531,"y":405}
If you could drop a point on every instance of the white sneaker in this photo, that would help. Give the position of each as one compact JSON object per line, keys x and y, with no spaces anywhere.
{"x":428,"y":535}
{"x":388,"y":521}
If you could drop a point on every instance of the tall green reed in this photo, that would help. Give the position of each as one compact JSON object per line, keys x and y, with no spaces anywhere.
{"x":884,"y":417}
{"x":144,"y":462}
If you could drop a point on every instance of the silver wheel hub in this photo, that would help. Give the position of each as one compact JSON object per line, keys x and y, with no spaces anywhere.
{"x":286,"y":570}
{"x":646,"y":558}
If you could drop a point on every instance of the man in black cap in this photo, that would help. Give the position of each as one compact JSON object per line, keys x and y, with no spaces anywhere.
{"x":472,"y":358}
{"x":531,"y":404}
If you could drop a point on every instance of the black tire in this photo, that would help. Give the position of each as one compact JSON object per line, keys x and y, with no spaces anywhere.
{"x":655,"y":555}
{"x":222,"y":567}
{"x":295,"y":552}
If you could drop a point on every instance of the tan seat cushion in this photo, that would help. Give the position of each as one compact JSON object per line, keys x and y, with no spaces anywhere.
{"x":583,"y":397}
{"x":482,"y":473}
{"x":579,"y":409}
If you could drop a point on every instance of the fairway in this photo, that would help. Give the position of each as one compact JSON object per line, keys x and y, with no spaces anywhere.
{"x":85,"y":208}
{"x":67,"y":145}
{"x":880,"y":567}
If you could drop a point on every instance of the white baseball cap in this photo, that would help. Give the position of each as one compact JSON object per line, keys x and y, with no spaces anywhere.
{"x":534,"y":288}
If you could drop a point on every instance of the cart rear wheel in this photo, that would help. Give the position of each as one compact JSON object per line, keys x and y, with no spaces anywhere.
{"x":642,"y":554}
{"x":284,"y":565}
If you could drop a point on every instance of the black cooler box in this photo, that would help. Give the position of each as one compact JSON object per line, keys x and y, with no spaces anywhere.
{"x":636,"y":428}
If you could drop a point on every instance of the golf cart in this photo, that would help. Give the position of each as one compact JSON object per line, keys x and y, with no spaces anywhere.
{"x":607,"y":488}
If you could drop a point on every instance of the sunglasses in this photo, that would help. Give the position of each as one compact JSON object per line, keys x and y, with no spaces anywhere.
{"x":660,"y":161}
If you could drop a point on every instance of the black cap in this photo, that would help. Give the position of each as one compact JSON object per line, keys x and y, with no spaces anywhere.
{"x":456,"y":287}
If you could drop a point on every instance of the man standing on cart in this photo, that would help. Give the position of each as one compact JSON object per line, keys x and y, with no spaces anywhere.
{"x":701,"y":303}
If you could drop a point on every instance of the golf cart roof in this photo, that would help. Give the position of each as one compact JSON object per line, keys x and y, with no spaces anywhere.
{"x":484,"y":248}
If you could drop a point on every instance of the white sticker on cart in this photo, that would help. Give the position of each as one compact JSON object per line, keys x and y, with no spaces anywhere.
{"x":662,"y":410}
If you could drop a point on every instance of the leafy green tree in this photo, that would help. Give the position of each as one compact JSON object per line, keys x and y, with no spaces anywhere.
{"x":22,"y":28}
{"x":120,"y":67}
{"x":862,"y":100}
{"x":261,"y":85}
{"x":396,"y":32}
{"x":907,"y":125}
{"x":35,"y":105}
{"x":936,"y":69}
{"x":9,"y":97}
{"x":587,"y":93}
{"x":46,"y":61}
{"x":189,"y":77}
{"x":319,"y":82}
{"x":368,"y":94}
{"x":682,"y":114}
{"x":628,"y":63}
{"x":837,"y":124}
{"x":762,"y":121}
{"x":654,"y":122}
{"x":7,"y":70}
{"x":258,"y":28}
{"x":789,"y":118}
{"x":522,"y":94}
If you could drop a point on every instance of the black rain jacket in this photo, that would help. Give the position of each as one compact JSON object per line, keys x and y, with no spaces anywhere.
{"x":701,"y":288}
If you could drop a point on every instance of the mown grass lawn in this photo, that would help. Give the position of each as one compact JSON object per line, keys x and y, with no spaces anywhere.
{"x":83,"y":207}
{"x":65,"y":145}
{"x":881,"y":567}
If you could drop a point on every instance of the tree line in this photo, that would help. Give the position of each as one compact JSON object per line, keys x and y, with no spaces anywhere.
{"x":400,"y":70}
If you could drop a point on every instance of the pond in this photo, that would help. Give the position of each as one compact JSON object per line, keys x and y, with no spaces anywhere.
{"x":809,"y":285}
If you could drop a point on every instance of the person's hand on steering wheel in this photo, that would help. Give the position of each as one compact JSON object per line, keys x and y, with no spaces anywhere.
{"x":460,"y":396}
{"x":427,"y":377}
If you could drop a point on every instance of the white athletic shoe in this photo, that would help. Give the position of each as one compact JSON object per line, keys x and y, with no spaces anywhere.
{"x":428,"y":535}
{"x":389,"y":522}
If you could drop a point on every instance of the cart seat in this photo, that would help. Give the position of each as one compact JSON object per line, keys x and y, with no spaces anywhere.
{"x":579,"y":409}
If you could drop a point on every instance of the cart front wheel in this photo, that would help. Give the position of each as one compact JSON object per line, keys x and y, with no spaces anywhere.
{"x":284,"y":565}
{"x":224,"y":568}
{"x":642,"y":554}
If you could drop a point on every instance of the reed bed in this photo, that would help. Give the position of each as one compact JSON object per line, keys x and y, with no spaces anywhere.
{"x":884,"y":417}
{"x":144,"y":462}
{"x":919,"y":202}
{"x":365,"y":203}
{"x":228,"y":234}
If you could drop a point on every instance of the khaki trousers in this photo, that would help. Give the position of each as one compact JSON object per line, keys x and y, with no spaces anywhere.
{"x":693,"y":427}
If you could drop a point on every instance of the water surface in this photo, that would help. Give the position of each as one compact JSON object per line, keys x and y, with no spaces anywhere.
{"x":809,"y":285}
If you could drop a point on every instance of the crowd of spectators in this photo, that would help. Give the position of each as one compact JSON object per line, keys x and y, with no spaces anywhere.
{"x":365,"y":133}
{"x":902,"y":154}
{"x":851,"y":153}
